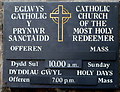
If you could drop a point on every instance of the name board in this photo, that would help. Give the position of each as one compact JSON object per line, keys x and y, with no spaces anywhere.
{"x":60,"y":45}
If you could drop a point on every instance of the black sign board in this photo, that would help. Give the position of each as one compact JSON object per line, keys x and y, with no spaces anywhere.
{"x":60,"y":45}
{"x":61,"y":74}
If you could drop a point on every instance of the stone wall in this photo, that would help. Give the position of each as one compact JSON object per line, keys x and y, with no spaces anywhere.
{"x":1,"y":25}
